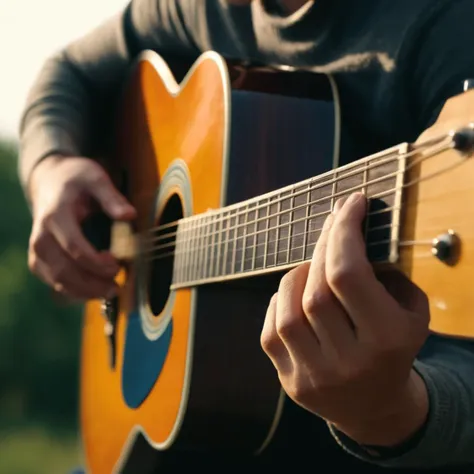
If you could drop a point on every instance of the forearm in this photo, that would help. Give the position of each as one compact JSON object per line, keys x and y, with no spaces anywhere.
{"x":55,"y":117}
{"x":447,"y":437}
{"x":65,"y":111}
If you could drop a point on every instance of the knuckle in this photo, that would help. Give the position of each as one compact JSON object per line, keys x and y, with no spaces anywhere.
{"x":317,"y":302}
{"x":304,"y":387}
{"x":350,"y":370}
{"x":268,"y":337}
{"x":98,"y":177}
{"x":38,"y":243}
{"x":60,"y":288}
{"x":342,"y":276}
{"x":58,"y":273}
{"x":286,"y":283}
{"x":287,"y":325}
{"x":73,"y":249}
{"x":48,"y":218}
{"x":388,"y":344}
{"x":269,"y":341}
{"x":298,"y":392}
{"x":33,"y":262}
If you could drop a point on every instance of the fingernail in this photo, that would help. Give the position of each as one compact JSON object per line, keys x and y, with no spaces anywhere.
{"x":121,"y":207}
{"x":353,"y":198}
{"x":328,"y":221}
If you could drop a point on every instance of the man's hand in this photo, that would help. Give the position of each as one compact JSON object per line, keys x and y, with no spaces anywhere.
{"x":64,"y":191}
{"x":344,"y":342}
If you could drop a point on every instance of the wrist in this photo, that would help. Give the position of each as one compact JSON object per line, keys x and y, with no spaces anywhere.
{"x":37,"y":174}
{"x":398,"y":424}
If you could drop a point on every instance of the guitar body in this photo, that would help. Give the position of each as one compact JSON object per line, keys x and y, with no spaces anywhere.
{"x":173,"y":366}
{"x":188,"y":372}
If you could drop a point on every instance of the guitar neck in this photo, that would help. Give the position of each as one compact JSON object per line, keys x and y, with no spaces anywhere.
{"x":280,"y":229}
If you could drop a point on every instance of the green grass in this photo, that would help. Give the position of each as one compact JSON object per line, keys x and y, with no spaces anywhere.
{"x":36,"y":451}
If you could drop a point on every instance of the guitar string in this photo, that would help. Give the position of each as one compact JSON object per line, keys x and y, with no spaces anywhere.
{"x":270,"y":229}
{"x":308,"y":187}
{"x":240,"y":262}
{"x":382,"y":242}
{"x":268,"y":269}
{"x":254,"y":222}
{"x":205,"y":222}
{"x":392,"y":156}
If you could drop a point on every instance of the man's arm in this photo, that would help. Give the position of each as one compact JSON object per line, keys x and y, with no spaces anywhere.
{"x":71,"y":102}
{"x":446,"y":439}
{"x":437,"y":59}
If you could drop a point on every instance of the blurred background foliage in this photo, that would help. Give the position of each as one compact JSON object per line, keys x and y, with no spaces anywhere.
{"x":39,"y":348}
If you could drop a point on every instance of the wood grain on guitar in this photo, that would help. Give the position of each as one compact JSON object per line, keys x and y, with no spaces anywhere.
{"x":232,"y":177}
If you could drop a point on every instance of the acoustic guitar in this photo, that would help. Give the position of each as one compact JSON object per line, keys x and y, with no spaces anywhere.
{"x":233,"y":169}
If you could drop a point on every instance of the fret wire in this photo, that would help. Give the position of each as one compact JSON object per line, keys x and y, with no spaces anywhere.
{"x":306,"y":224}
{"x":277,"y":243}
{"x":188,"y":256}
{"x":365,"y":188}
{"x":176,"y":259}
{"x":334,"y":190}
{"x":219,"y":245}
{"x":185,"y":256}
{"x":254,"y":250}
{"x":207,"y":237}
{"x":246,"y":216}
{"x":234,"y":249}
{"x":226,"y":245}
{"x":178,"y":256}
{"x":290,"y":225}
{"x":265,"y":250}
{"x":200,"y":252}
{"x":193,"y":236}
{"x":212,"y":249}
{"x":366,"y":192}
{"x":191,"y":263}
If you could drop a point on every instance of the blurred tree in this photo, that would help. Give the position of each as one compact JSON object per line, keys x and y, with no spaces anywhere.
{"x":39,"y":340}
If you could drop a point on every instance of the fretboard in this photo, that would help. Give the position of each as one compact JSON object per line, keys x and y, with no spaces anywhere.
{"x":280,"y":229}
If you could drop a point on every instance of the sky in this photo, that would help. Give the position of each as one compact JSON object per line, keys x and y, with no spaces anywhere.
{"x":30,"y":31}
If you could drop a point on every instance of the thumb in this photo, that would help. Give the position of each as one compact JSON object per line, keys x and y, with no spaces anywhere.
{"x":112,"y":201}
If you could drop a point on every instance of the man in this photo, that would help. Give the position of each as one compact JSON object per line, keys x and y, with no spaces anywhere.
{"x":345,"y":349}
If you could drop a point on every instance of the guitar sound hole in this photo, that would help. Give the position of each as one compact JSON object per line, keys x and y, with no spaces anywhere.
{"x":161,"y":265}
